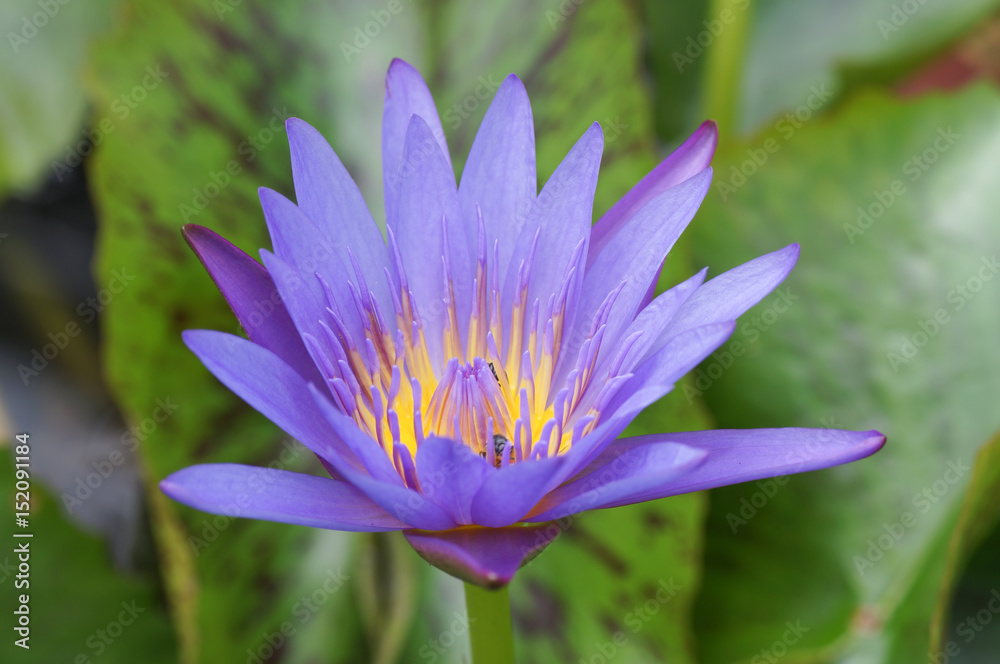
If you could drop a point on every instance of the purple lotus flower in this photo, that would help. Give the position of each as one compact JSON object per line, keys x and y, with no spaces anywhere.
{"x":465,"y":379}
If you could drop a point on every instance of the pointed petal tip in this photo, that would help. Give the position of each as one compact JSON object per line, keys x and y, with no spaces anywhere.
{"x":298,"y":127}
{"x":269,"y":197}
{"x":512,"y":85}
{"x":398,"y":64}
{"x":400,"y":70}
{"x":790,"y":253}
{"x":174,"y":485}
{"x":875,"y":441}
{"x":700,"y":181}
{"x":596,"y":133}
{"x":512,"y":79}
{"x":707,"y":137}
{"x":200,"y":341}
{"x":415,"y":123}
{"x":197,"y":236}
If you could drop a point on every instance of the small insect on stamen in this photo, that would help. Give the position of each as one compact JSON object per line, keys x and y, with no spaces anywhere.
{"x":495,"y":377}
{"x":499,"y":444}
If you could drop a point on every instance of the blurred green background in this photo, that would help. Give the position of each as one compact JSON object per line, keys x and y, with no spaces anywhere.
{"x":866,"y":130}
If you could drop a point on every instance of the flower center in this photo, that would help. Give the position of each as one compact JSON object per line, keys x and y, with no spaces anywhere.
{"x":469,"y":404}
{"x":493,"y":389}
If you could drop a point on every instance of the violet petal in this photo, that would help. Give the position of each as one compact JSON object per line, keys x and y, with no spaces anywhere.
{"x":691,"y":158}
{"x":736,"y":455}
{"x":406,"y":95}
{"x":487,"y":557}
{"x":499,"y":174}
{"x":254,"y":299}
{"x":250,"y":492}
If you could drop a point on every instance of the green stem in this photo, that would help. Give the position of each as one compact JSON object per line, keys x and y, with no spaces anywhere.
{"x":724,"y":67}
{"x":490,"y":629}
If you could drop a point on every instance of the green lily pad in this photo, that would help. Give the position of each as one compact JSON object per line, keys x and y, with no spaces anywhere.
{"x":43,"y":106}
{"x":796,"y":46}
{"x":976,"y":603}
{"x":892,"y":325}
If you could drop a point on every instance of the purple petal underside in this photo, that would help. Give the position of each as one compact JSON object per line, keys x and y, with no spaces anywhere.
{"x":487,"y":557}
{"x":253,"y":297}
{"x":510,"y":492}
